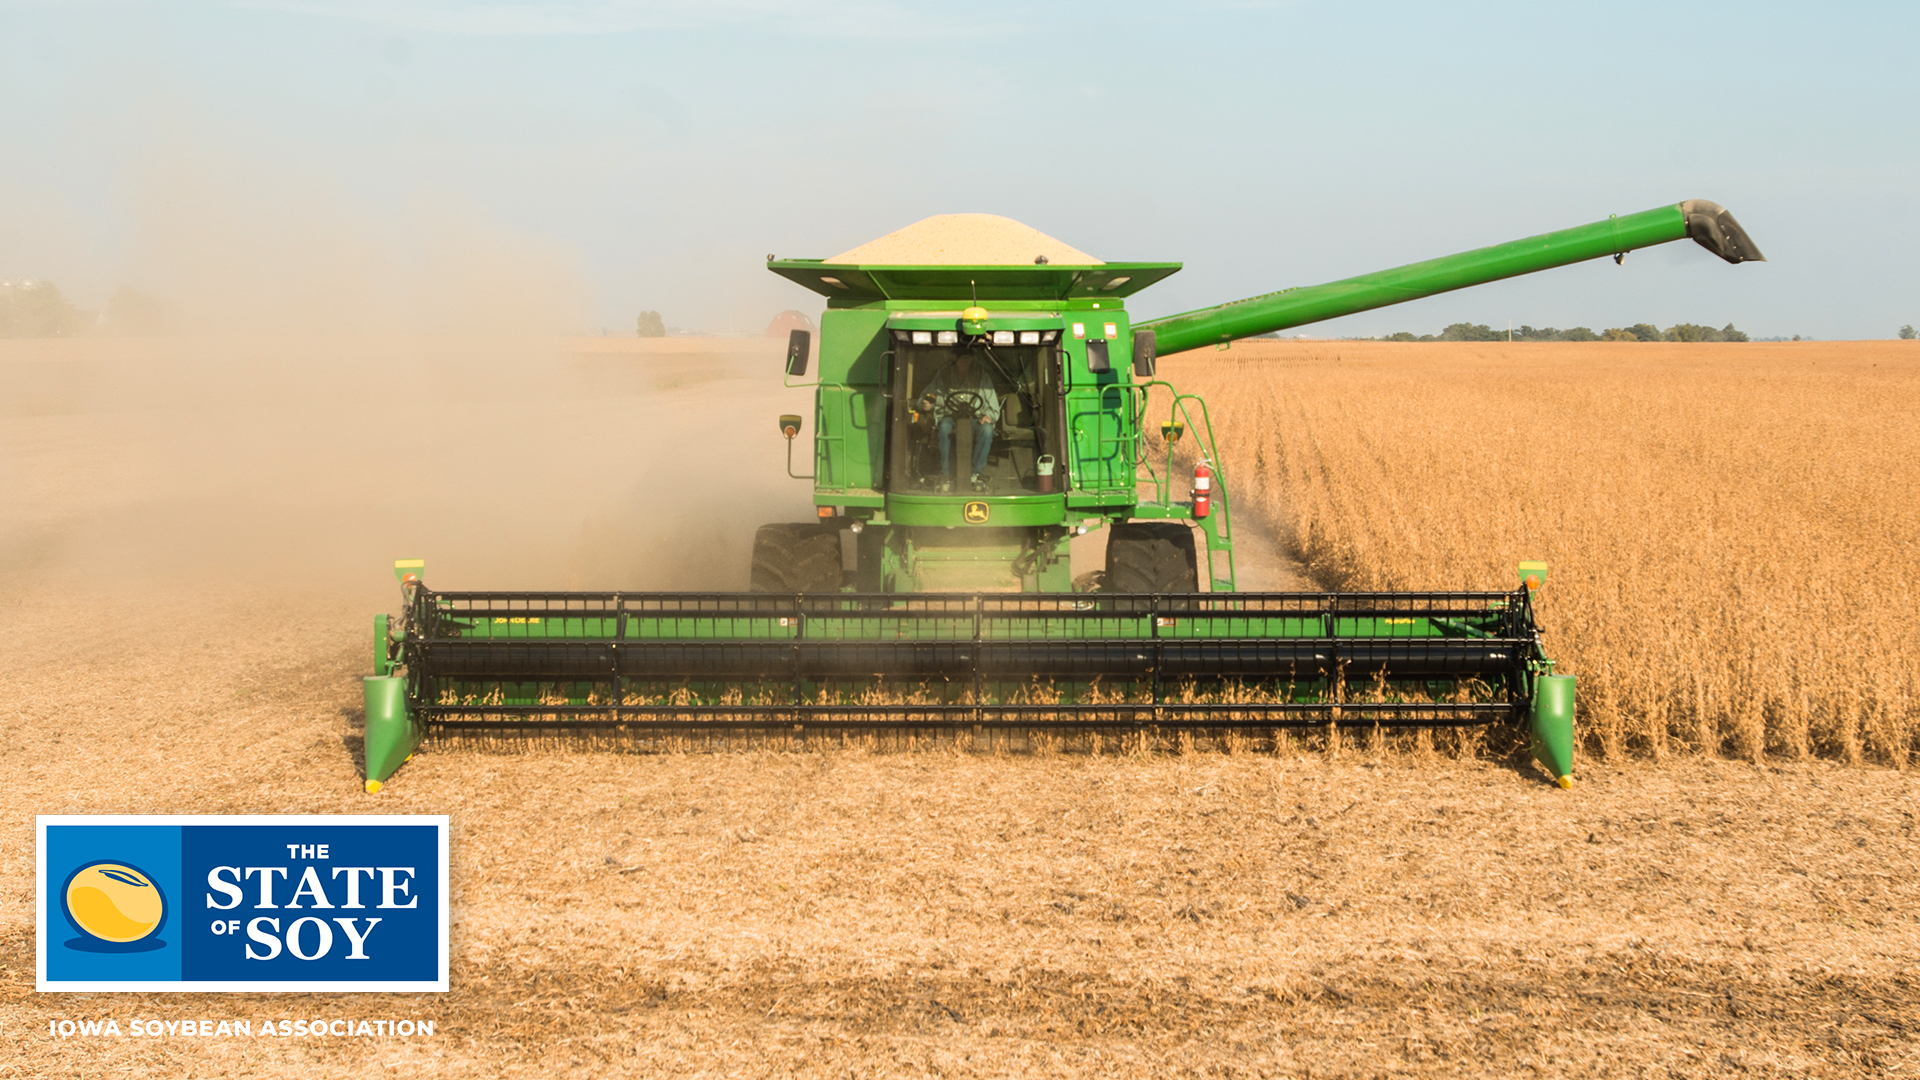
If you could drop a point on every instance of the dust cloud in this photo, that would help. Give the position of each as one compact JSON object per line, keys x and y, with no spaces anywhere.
{"x":338,"y":388}
{"x":506,"y":463}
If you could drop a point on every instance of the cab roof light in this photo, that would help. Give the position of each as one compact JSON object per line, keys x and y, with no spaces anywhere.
{"x":1029,"y":337}
{"x":1003,"y":337}
{"x":1116,"y":283}
{"x":923,"y":337}
{"x":947,"y":337}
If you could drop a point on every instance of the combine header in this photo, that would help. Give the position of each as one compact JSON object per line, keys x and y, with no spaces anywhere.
{"x":974,"y":411}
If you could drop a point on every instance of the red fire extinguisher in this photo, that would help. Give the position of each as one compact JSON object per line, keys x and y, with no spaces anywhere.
{"x":1202,"y":490}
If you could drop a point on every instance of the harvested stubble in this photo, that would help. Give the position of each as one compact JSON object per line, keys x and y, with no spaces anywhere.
{"x":1342,"y":913}
{"x":1730,"y":527}
{"x":942,"y":913}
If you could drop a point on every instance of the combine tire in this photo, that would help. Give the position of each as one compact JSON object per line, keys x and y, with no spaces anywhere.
{"x":796,"y":559}
{"x":1151,"y":557}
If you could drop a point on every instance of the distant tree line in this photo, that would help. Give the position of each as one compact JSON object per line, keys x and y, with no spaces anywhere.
{"x":650,"y":324}
{"x":1636,"y":332}
{"x":30,"y":308}
{"x":1906,"y":332}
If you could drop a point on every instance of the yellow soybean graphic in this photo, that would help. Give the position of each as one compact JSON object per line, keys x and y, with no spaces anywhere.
{"x":114,"y":902}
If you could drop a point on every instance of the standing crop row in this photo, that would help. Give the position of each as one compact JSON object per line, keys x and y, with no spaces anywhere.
{"x":1732,"y":529}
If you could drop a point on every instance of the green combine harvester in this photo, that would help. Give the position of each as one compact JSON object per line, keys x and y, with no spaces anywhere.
{"x":974,"y":411}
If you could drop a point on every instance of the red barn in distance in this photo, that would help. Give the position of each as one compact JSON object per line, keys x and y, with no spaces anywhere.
{"x":788,"y":321}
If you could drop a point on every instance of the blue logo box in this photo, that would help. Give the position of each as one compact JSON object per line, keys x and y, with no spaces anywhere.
{"x":259,"y":903}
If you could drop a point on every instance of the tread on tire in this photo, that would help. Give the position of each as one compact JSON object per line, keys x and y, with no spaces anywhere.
{"x":1151,"y":557}
{"x":797,"y":558}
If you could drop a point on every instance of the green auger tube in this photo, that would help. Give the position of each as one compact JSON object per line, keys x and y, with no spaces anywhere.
{"x":1550,"y":726}
{"x":391,"y":734}
{"x":1707,"y":224}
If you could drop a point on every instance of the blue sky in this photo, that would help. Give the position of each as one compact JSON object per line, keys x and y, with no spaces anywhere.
{"x":650,"y":155}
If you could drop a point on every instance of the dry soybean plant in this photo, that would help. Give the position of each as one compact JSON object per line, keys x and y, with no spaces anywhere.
{"x":1731,"y":528}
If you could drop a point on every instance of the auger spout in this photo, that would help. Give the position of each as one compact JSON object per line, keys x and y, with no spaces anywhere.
{"x":1707,"y":223}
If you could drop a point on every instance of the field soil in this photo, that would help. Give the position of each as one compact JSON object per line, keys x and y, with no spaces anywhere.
{"x":196,"y":535}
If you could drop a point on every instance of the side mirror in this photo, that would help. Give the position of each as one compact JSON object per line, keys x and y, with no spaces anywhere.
{"x":799,"y":343}
{"x":789,"y":423}
{"x":1143,"y":354}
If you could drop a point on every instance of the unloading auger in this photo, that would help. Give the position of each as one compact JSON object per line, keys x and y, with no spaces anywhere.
{"x":970,"y":419}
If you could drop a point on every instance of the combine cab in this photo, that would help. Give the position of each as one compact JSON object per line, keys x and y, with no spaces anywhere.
{"x":973,"y":413}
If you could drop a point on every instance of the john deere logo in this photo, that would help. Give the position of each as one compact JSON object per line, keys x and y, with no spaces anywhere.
{"x":975,"y":513}
{"x":116,"y":906}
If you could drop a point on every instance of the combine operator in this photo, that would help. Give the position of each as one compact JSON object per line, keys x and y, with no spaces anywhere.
{"x":963,"y":392}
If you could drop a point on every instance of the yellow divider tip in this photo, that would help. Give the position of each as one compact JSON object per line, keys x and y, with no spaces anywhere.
{"x":1567,"y":782}
{"x":373,"y":787}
